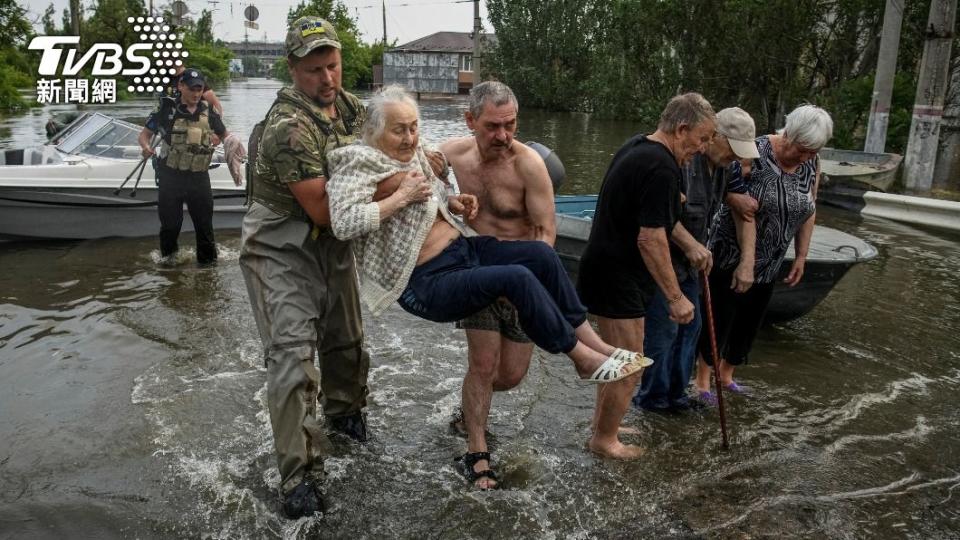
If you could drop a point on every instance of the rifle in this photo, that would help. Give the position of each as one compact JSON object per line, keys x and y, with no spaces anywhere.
{"x":165,"y":112}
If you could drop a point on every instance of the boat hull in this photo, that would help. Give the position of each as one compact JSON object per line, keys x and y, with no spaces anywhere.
{"x":819,"y":278}
{"x":862,"y":170}
{"x":69,"y":189}
{"x":832,"y":253}
{"x":85,"y":213}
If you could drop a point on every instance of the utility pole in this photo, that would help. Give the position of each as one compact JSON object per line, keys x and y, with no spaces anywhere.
{"x":946,"y":174}
{"x":476,"y":42}
{"x":75,"y":17}
{"x":883,"y":82}
{"x":932,"y":86}
{"x":384,"y":25}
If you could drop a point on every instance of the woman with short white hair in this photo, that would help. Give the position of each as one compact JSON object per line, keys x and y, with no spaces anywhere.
{"x":784,"y":182}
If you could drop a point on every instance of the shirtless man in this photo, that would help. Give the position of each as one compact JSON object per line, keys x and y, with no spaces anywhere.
{"x":515,"y":197}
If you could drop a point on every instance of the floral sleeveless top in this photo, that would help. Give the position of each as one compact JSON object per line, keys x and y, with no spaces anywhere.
{"x":786,"y":202}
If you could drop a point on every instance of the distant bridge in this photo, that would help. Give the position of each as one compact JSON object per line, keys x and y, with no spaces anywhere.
{"x":266,"y":51}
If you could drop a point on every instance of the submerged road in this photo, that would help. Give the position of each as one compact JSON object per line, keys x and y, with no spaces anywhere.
{"x":132,"y":406}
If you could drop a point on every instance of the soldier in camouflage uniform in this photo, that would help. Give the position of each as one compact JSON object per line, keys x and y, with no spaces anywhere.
{"x":300,"y":278}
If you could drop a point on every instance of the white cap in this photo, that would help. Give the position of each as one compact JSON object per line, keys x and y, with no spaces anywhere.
{"x":737,"y":126}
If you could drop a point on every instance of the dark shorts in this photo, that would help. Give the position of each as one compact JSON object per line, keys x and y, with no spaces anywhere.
{"x":613,"y":290}
{"x":737,"y":317}
{"x":499,"y":316}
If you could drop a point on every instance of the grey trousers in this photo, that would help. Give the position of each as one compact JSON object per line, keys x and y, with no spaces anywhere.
{"x":303,"y":290}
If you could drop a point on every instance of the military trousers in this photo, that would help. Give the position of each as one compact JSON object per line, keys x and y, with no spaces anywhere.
{"x":305,"y":299}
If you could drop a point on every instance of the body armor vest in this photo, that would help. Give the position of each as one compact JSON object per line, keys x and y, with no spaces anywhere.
{"x":190,"y":147}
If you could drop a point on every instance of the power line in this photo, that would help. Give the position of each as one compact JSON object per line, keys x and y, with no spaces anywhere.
{"x":227,"y":13}
{"x":397,"y":25}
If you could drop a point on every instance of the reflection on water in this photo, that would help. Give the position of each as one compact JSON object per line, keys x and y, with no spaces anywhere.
{"x":133,"y":402}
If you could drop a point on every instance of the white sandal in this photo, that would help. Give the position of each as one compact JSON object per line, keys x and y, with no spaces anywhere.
{"x":613,"y":369}
{"x":630,"y":356}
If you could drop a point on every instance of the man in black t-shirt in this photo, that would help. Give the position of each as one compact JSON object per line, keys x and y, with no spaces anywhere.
{"x":188,"y":128}
{"x":628,"y":254}
{"x":673,"y":346}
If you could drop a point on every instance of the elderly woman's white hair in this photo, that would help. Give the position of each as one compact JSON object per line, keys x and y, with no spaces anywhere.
{"x":376,"y":111}
{"x":809,"y":126}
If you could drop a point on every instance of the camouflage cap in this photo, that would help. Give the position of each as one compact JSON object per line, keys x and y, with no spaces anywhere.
{"x":310,"y":33}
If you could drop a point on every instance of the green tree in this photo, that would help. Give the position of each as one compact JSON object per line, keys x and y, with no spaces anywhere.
{"x":15,"y":68}
{"x":65,"y":19}
{"x":49,"y":26}
{"x":14,"y":26}
{"x":374,"y":56}
{"x":210,"y":58}
{"x":281,"y":70}
{"x":625,"y":58}
{"x":252,"y":66}
{"x":203,"y":28}
{"x":108,"y":23}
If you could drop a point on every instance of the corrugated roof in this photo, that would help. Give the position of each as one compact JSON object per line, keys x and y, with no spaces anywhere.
{"x":461,"y":42}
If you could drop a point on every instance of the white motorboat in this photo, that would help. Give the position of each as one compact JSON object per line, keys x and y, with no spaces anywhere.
{"x":69,"y":188}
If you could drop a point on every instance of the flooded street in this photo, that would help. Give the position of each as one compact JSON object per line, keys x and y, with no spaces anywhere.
{"x":132,"y":400}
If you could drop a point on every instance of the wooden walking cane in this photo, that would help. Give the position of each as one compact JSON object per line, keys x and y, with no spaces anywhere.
{"x":716,"y":358}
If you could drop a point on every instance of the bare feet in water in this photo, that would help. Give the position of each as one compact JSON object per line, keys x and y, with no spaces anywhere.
{"x":622,"y":430}
{"x":617,"y":450}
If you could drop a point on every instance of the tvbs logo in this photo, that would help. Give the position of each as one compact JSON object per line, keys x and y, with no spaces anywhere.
{"x":151,"y":63}
{"x":106,"y":57}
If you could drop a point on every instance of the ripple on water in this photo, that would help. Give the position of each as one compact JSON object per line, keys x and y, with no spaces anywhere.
{"x":850,"y":433}
{"x":188,"y":255}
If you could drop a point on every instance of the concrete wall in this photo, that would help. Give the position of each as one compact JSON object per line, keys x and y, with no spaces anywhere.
{"x":422,"y":71}
{"x":915,"y":210}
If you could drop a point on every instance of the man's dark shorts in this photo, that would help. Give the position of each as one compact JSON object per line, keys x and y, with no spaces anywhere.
{"x":612,"y":290}
{"x":499,"y":316}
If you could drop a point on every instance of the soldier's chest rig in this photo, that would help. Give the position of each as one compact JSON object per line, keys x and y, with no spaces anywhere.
{"x":190,"y":147}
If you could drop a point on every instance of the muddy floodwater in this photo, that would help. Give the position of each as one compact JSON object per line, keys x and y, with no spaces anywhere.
{"x":132,"y":400}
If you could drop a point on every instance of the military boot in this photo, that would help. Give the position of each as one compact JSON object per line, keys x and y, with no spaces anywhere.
{"x":303,"y":500}
{"x":352,"y":425}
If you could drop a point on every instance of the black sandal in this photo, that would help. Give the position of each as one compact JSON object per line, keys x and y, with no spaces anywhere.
{"x":466,"y":462}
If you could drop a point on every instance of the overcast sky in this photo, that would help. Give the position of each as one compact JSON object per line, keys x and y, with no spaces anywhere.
{"x":407,"y":20}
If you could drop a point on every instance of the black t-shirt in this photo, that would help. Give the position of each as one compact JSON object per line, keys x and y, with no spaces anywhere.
{"x":704,"y":189}
{"x":640,"y":189}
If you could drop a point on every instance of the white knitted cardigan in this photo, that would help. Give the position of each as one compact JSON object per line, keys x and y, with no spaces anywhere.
{"x":387,"y":251}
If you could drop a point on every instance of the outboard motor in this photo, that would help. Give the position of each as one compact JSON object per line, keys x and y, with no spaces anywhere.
{"x":554,"y":166}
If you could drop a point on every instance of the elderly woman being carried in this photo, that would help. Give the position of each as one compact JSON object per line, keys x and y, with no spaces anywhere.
{"x":410,"y":248}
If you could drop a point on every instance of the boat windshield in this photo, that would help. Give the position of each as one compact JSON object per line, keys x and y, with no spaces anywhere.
{"x":96,"y":134}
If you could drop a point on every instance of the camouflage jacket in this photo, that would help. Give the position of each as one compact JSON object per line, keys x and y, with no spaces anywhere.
{"x":296,"y":137}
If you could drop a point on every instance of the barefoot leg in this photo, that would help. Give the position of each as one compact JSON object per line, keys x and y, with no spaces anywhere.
{"x":613,"y":399}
